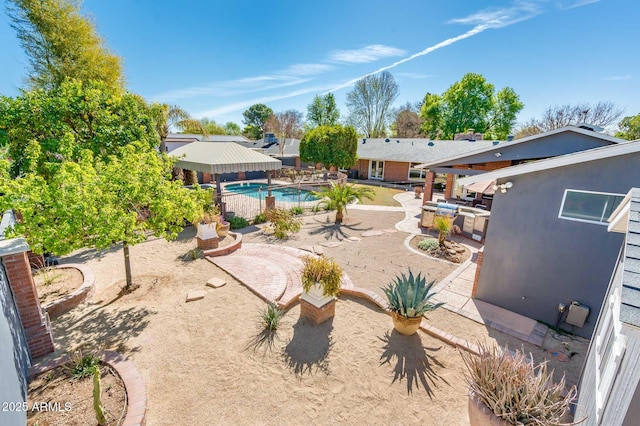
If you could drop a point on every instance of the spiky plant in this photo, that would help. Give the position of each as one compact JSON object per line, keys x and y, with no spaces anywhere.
{"x":324,"y":271}
{"x":270,"y":317}
{"x":410,"y":296}
{"x":515,"y":389}
{"x":339,"y":195}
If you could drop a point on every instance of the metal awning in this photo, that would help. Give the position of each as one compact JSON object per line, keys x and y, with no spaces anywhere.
{"x":222,"y":157}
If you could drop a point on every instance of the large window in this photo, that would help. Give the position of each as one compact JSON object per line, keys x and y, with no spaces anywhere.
{"x":416,"y":174}
{"x":586,"y":206}
{"x":376,"y":169}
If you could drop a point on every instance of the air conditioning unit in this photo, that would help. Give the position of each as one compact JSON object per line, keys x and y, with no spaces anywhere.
{"x":577,"y":314}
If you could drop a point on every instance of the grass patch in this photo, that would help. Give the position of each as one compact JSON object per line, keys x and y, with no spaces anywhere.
{"x":382,"y":197}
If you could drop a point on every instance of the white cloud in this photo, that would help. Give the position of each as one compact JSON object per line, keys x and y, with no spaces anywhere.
{"x":366,"y":54}
{"x":578,"y":3}
{"x":502,"y":17}
{"x":618,"y":77}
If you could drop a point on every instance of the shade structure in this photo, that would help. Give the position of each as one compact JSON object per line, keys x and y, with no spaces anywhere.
{"x":222,"y":157}
{"x":484,"y":187}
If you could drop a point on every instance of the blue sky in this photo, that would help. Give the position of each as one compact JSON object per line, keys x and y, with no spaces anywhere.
{"x":216,"y":58}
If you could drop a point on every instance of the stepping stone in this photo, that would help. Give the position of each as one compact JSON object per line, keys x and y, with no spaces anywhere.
{"x":215,"y":282}
{"x":330,"y":244}
{"x":353,"y":239}
{"x":372,"y":233}
{"x":306,"y":248}
{"x":318,"y":250}
{"x":390,"y":231}
{"x":195,"y":295}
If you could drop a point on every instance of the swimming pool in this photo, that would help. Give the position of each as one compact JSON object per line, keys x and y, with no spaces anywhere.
{"x":259,"y":190}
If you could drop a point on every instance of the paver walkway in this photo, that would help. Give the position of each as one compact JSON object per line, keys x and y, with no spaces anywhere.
{"x":273,"y":273}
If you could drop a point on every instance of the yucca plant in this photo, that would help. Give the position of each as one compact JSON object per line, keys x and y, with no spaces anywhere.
{"x":410,"y":296}
{"x":339,"y":195}
{"x":515,"y":389}
{"x":270,"y":317}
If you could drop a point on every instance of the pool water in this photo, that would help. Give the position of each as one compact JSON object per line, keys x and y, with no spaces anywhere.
{"x":259,"y":190}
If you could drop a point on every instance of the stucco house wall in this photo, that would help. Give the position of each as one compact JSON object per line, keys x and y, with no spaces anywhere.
{"x":534,"y":260}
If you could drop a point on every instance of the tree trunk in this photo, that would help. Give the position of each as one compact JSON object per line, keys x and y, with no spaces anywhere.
{"x":127,"y":266}
{"x":339,"y":216}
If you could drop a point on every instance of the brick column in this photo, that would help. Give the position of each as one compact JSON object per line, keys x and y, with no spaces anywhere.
{"x":477,"y":277}
{"x":448,"y":190}
{"x":297,"y":163}
{"x":427,"y":194}
{"x":35,"y":320}
{"x":242,"y":176}
{"x":270,"y":202}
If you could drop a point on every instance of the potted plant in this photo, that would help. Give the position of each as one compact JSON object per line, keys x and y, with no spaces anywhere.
{"x":222,"y":226}
{"x":506,"y":388}
{"x":409,"y":299}
{"x":207,"y":235}
{"x":320,"y":284}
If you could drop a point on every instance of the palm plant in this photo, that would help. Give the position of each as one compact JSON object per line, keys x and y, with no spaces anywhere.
{"x":443,"y":224}
{"x":339,"y":195}
{"x":172,"y":115}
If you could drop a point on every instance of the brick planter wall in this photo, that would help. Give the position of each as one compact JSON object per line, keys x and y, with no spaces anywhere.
{"x":221,"y":251}
{"x":35,"y":320}
{"x":317,"y":315}
{"x":208,"y":244}
{"x":80,"y":295}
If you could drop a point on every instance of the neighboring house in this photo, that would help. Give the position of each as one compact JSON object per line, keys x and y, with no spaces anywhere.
{"x":396,"y":159}
{"x":553,"y":143}
{"x":547,"y":242}
{"x":609,"y":391}
{"x":176,"y":140}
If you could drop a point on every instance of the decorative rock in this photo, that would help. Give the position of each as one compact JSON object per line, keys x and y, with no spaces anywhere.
{"x":195,"y":295}
{"x":390,"y":231}
{"x":318,"y":250}
{"x":330,"y":244}
{"x":306,"y":248}
{"x":451,"y":252}
{"x":215,"y":282}
{"x":353,"y":239}
{"x":460,"y":250}
{"x":372,"y":233}
{"x":457,"y":230}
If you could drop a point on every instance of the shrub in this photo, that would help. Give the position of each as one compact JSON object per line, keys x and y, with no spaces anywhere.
{"x":428,"y":244}
{"x":324,"y":271}
{"x":260,"y":218}
{"x":270,"y":317}
{"x":409,"y":296}
{"x":515,"y":389}
{"x":296,"y":210}
{"x":238,"y":222}
{"x":283,"y":222}
{"x":81,"y":366}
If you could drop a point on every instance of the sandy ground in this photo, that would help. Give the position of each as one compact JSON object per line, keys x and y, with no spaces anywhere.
{"x":207,"y":362}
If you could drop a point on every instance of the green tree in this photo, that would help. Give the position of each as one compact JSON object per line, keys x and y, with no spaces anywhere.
{"x":210,"y":127}
{"x":61,"y":43}
{"x":168,"y":116}
{"x":331,"y":146}
{"x":470,"y":103}
{"x":98,"y":203}
{"x":68,"y":119}
{"x":370,"y":103}
{"x":254,"y":120}
{"x":339,"y":195}
{"x":629,"y":128}
{"x":232,"y":128}
{"x":323,"y":111}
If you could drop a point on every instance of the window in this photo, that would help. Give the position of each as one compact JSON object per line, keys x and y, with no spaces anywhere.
{"x":610,"y":346}
{"x":376,"y":170}
{"x":416,"y":174}
{"x":586,"y":206}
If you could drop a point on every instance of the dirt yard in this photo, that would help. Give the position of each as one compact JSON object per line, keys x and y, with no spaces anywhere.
{"x":207,"y":362}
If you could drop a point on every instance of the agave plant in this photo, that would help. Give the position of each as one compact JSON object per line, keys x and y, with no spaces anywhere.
{"x":410,"y":296}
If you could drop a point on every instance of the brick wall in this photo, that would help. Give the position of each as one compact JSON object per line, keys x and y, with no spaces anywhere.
{"x":34,"y":320}
{"x":396,"y":171}
{"x":315,"y":314}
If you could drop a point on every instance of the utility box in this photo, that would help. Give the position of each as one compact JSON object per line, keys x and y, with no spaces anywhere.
{"x":577,"y":314}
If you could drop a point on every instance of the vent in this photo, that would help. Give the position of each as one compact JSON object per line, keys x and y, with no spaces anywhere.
{"x":431,"y":143}
{"x":387,"y":140}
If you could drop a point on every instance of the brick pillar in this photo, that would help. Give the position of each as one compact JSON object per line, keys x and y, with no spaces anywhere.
{"x":477,"y":277}
{"x":427,"y":194}
{"x":297,"y":164}
{"x":448,"y":190}
{"x":35,"y":320}
{"x":242,"y":176}
{"x":270,"y":202}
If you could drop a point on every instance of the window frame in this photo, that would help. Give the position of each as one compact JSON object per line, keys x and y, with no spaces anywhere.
{"x":603,"y":222}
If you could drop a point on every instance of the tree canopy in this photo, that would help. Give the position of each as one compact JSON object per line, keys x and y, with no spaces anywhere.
{"x":331,"y":146}
{"x":629,"y":128}
{"x":232,"y":128}
{"x":470,"y":103}
{"x":61,"y":44}
{"x":370,"y":103}
{"x":204,"y":125}
{"x":285,"y":124}
{"x":323,"y":111}
{"x":254,"y":120}
{"x":407,"y":123}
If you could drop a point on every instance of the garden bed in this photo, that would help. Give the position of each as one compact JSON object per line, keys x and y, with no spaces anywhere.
{"x":64,"y":287}
{"x":55,"y":397}
{"x":452,"y":253}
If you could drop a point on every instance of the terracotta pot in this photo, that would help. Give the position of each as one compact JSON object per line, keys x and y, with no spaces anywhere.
{"x":404,"y":325}
{"x":480,"y":414}
{"x":223,"y":229}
